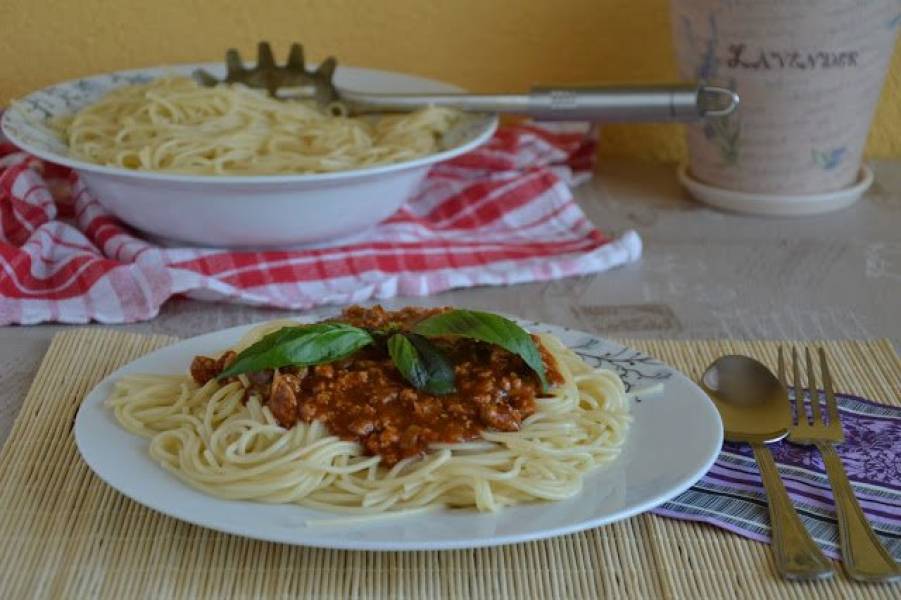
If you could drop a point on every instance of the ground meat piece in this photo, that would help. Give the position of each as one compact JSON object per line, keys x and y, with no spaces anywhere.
{"x":204,"y":368}
{"x":427,"y":407}
{"x":306,"y":410}
{"x":362,"y":427}
{"x":260,"y":378}
{"x":500,"y":416}
{"x":326,"y":371}
{"x":377,"y":317}
{"x":282,"y":401}
{"x":410,"y":438}
{"x":226,"y":360}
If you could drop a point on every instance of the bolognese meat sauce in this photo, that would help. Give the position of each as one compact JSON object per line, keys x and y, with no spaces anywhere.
{"x":364,"y":397}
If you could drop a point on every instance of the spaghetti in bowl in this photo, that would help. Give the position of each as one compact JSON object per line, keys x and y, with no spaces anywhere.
{"x":239,"y":206}
{"x":517,"y":421}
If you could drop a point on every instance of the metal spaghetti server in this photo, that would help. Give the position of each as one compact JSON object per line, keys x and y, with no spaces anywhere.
{"x":663,"y":102}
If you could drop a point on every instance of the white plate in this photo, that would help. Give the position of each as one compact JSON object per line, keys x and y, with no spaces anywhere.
{"x":241,"y":210}
{"x":674,"y":439}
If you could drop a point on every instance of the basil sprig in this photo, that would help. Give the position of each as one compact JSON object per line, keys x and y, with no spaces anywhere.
{"x":304,"y":345}
{"x":486,"y":327}
{"x":420,"y":362}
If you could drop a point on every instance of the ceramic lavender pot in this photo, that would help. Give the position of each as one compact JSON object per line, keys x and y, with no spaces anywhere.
{"x":809,"y":73}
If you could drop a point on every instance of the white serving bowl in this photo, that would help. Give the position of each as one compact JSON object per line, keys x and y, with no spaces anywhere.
{"x":240,"y":211}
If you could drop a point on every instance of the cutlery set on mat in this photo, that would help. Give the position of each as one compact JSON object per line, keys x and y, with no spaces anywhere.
{"x":755,"y":408}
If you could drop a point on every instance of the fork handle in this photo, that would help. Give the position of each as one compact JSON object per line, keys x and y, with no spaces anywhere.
{"x":796,"y":554}
{"x":865,"y":558}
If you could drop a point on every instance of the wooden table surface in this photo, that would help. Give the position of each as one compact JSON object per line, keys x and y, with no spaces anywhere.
{"x":704,"y":274}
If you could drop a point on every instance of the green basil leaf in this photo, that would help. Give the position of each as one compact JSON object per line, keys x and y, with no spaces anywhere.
{"x":486,"y":327}
{"x":300,"y":346}
{"x":406,"y":359}
{"x":421,"y":363}
{"x":440,"y":370}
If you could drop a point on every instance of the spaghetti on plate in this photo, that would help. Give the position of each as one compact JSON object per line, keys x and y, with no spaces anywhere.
{"x":385,"y":426}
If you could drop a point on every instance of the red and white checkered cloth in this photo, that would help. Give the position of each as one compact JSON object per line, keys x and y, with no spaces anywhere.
{"x":499,"y":215}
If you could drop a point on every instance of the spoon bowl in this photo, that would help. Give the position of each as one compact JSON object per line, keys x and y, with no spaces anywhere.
{"x":752,"y":403}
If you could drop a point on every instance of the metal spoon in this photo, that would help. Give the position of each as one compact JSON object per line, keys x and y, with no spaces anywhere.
{"x":754,"y":408}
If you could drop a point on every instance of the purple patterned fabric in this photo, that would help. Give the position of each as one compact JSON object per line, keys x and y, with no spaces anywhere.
{"x":731,"y":494}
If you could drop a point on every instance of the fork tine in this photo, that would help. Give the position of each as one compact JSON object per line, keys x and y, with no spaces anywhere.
{"x":295,"y":57}
{"x":265,"y":58}
{"x":327,"y":68}
{"x":233,"y":62}
{"x":831,"y":407}
{"x":781,"y":359}
{"x":781,"y":369}
{"x":799,"y":394}
{"x":812,"y":391}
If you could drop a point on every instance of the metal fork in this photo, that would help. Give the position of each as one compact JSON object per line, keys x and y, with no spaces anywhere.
{"x":865,"y":558}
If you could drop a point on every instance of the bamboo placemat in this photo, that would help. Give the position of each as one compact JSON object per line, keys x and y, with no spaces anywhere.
{"x":66,"y":534}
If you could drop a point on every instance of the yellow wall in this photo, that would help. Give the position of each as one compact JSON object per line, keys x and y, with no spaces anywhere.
{"x":480,"y":44}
